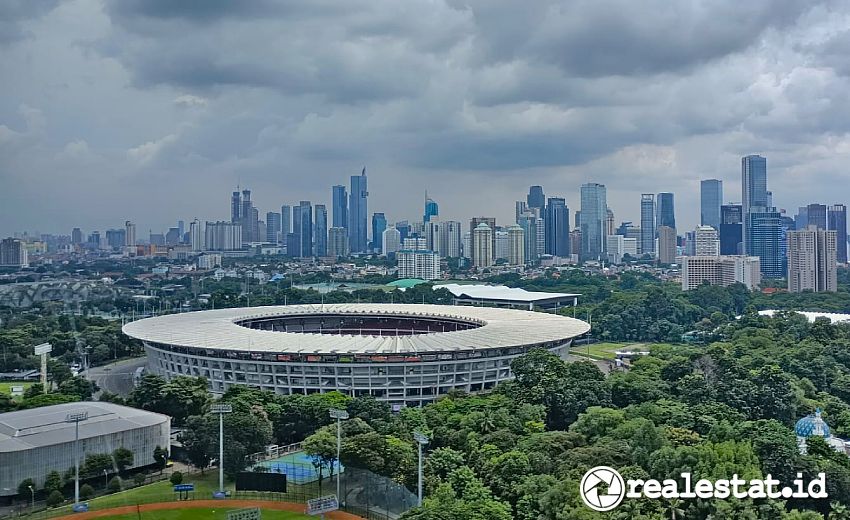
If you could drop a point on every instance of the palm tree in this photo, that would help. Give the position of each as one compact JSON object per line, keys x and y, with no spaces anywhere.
{"x":673,"y":509}
{"x":838,"y":511}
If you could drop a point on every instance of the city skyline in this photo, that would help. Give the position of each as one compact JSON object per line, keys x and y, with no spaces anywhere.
{"x":93,"y":131}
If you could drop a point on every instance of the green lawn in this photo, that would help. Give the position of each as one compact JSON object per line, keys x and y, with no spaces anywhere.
{"x":598,"y":350}
{"x":161,"y":491}
{"x":192,"y":514}
{"x":6,"y":387}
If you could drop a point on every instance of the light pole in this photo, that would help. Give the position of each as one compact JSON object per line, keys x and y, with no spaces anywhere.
{"x":339,"y":415}
{"x":105,"y":479}
{"x":221,"y":409}
{"x":76,"y":418}
{"x":421,"y":440}
{"x":32,"y":492}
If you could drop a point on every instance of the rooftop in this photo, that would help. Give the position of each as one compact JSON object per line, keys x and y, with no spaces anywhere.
{"x":501,"y":292}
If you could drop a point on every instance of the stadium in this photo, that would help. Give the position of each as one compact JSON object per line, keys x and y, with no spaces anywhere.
{"x":404,"y":354}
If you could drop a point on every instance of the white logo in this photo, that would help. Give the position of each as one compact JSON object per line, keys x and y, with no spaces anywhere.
{"x":602,"y":488}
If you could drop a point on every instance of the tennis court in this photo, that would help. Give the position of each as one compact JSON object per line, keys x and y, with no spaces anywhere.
{"x":298,"y":468}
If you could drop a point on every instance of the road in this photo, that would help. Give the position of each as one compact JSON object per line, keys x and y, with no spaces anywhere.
{"x":117,"y":378}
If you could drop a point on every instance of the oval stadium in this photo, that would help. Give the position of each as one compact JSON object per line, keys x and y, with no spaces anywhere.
{"x":404,"y":354}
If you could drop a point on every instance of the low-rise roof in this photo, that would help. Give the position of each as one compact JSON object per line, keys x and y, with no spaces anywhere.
{"x":502,"y":292}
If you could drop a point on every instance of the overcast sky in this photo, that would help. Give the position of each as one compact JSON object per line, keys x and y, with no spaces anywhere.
{"x":154,"y":110}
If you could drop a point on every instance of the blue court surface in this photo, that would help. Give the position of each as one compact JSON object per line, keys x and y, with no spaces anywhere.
{"x":299,"y":468}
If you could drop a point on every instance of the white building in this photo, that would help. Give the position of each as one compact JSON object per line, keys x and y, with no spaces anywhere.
{"x":502,"y":244}
{"x":707,"y":241}
{"x":812,"y":260}
{"x":720,"y":270}
{"x":223,"y":236}
{"x":615,"y":245}
{"x":390,"y":240}
{"x":516,"y":245}
{"x":209,"y":261}
{"x":482,"y":255}
{"x":450,"y":239}
{"x":422,"y":264}
{"x":630,"y":247}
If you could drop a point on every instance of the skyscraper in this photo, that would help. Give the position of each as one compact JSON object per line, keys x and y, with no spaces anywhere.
{"x":223,"y":236}
{"x":431,"y":208}
{"x":358,"y":213}
{"x":13,"y":253}
{"x":647,"y":224}
{"x":339,"y":206}
{"x":557,"y":224}
{"x":337,"y":241}
{"x":390,"y":241}
{"x":303,"y":230}
{"x":754,"y":192}
{"x":764,"y":236}
{"x":665,"y":214}
{"x":196,"y":235}
{"x":536,"y":199}
{"x":273,"y":227}
{"x":516,"y":244}
{"x":321,"y":230}
{"x":666,"y":245}
{"x":812,"y":260}
{"x":483,"y":245}
{"x":450,"y":239}
{"x":491,"y":223}
{"x":731,"y":229}
{"x":528,"y":223}
{"x":130,"y":233}
{"x":285,"y":221}
{"x":707,"y":241}
{"x":594,"y":206}
{"x":838,"y":223}
{"x":379,"y":224}
{"x":711,"y":198}
{"x":236,"y":207}
{"x":816,"y":216}
{"x":76,"y":236}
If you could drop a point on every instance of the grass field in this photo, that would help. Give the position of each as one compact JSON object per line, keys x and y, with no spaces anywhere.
{"x":193,"y":514}
{"x":598,"y":350}
{"x":6,"y":387}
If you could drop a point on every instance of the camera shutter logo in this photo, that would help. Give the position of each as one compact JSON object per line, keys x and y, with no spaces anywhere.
{"x":602,"y":488}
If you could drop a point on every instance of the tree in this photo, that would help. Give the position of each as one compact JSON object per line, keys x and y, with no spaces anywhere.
{"x":139,"y":479}
{"x":123,"y":458}
{"x":321,"y":448}
{"x":55,"y":498}
{"x":53,"y":481}
{"x":199,"y":439}
{"x":35,"y":390}
{"x":176,"y":478}
{"x":86,"y":491}
{"x":24,"y":487}
{"x":115,"y":484}
{"x":79,"y":386}
{"x":160,"y":457}
{"x":95,"y":464}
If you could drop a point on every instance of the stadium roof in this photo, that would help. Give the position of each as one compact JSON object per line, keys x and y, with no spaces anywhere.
{"x":503,"y":293}
{"x":46,"y":426}
{"x":218,"y":329}
{"x":812,"y":316}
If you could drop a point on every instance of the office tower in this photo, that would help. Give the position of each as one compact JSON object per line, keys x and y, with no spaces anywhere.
{"x":754,"y":193}
{"x":390,"y":241}
{"x":337,"y":242}
{"x":764,"y":236}
{"x":689,"y":247}
{"x":516,"y":244}
{"x":129,"y":234}
{"x":665,"y":215}
{"x":196,"y":237}
{"x":303,"y":229}
{"x":77,"y":236}
{"x":434,"y":235}
{"x":609,"y":222}
{"x":181,"y":228}
{"x":246,"y":213}
{"x":720,"y":270}
{"x":94,"y":240}
{"x":236,"y":207}
{"x":647,"y":224}
{"x":731,"y":229}
{"x":450,"y":239}
{"x":577,"y":225}
{"x":528,"y":223}
{"x":431,"y":209}
{"x":801,"y":220}
{"x":320,"y":230}
{"x":540,"y":244}
{"x":575,"y":242}
{"x":536,"y":199}
{"x":666,"y":245}
{"x":116,"y":238}
{"x":13,"y":253}
{"x":838,"y":223}
{"x":357,"y":213}
{"x":467,"y":245}
{"x":172,"y":236}
{"x":630,"y":247}
{"x":615,"y":246}
{"x":156,"y":239}
{"x":812,"y":260}
{"x":379,"y":224}
{"x":223,"y":236}
{"x":557,"y":227}
{"x":418,"y":263}
{"x":501,"y":251}
{"x":491,"y":223}
{"x":403,"y":227}
{"x":594,"y":206}
{"x":339,"y":206}
{"x":707,"y":241}
{"x":273,"y":235}
{"x":520,"y":207}
{"x":816,"y":216}
{"x":711,"y":198}
{"x":483,"y":245}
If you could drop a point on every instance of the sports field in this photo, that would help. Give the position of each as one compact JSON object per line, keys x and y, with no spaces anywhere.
{"x":6,"y":386}
{"x":298,"y":468}
{"x":199,"y":513}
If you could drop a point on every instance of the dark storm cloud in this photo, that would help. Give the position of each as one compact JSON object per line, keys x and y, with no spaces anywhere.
{"x":14,"y":12}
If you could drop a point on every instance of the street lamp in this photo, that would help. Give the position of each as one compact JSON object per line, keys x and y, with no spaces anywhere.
{"x":32,"y":492}
{"x":339,"y":415}
{"x":421,"y":440}
{"x":105,"y":479}
{"x":76,"y":418}
{"x":221,"y":409}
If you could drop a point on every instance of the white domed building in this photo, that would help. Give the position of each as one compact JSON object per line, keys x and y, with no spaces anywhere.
{"x":813,"y":425}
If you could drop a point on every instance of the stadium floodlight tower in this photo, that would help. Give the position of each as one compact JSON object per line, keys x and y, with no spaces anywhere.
{"x":76,"y":418}
{"x":43,"y":350}
{"x":221,"y":409}
{"x":339,"y":415}
{"x":421,"y":440}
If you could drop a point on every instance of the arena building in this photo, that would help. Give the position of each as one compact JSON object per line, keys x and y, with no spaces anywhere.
{"x":403,"y":354}
{"x":40,"y":440}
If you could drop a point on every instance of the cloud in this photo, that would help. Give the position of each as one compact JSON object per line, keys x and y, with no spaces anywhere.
{"x":190,"y":101}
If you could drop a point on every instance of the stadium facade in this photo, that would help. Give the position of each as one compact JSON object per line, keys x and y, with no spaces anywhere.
{"x":404,"y":354}
{"x":40,"y":440}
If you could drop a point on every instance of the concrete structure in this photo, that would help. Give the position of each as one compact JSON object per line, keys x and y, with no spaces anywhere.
{"x":812,"y":260}
{"x":390,"y":241}
{"x":450,"y":239}
{"x":209,"y":261}
{"x":720,"y":270}
{"x":502,"y":245}
{"x":630,"y":247}
{"x":516,"y":245}
{"x":666,"y":245}
{"x":402,"y":354}
{"x":13,"y":253}
{"x":473,"y":223}
{"x":615,"y":245}
{"x":838,"y":223}
{"x":223,"y":236}
{"x":422,"y":264}
{"x":502,"y":296}
{"x":731,"y":229}
{"x":37,"y":441}
{"x":129,"y":234}
{"x":706,"y":241}
{"x":338,"y":241}
{"x":483,"y":244}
